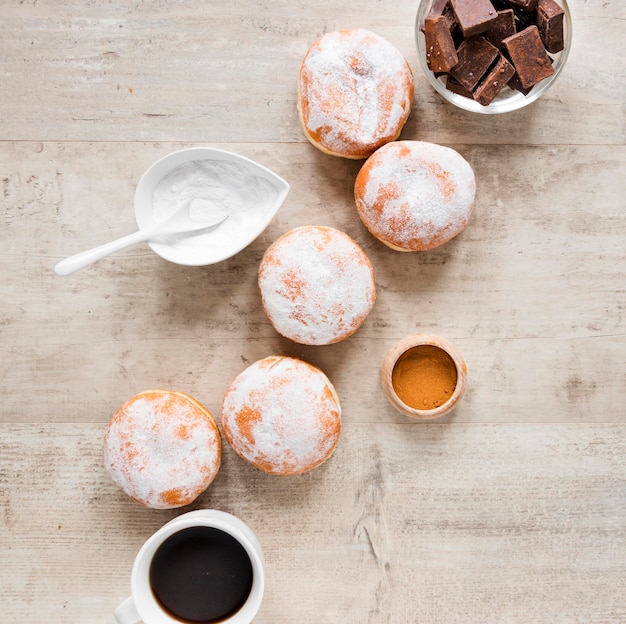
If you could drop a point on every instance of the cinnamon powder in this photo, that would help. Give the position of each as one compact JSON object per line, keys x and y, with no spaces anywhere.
{"x":424,"y":377}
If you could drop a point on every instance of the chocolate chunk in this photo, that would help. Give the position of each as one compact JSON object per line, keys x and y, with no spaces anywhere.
{"x":523,"y":18}
{"x":450,"y":19}
{"x":503,"y":27}
{"x":456,"y":87}
{"x":515,"y":84}
{"x":476,"y":55}
{"x":473,"y":16}
{"x":529,"y":57}
{"x":524,"y":4}
{"x":442,"y":7}
{"x":513,"y":44}
{"x":550,"y":25}
{"x":494,"y":82}
{"x":441,"y":54}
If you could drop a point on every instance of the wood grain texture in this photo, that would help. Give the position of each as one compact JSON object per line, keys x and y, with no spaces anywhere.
{"x":531,"y":292}
{"x":510,"y":509}
{"x":418,"y":524}
{"x":173,"y":71}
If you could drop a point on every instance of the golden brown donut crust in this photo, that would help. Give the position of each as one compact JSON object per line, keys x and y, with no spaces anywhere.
{"x":163,"y":448}
{"x":355,"y":93}
{"x":282,"y":415}
{"x":317,"y":285}
{"x":414,"y":196}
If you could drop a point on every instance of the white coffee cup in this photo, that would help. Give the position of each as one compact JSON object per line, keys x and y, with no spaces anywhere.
{"x":143,"y":606}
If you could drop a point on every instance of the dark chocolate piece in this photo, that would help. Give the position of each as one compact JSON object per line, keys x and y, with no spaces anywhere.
{"x":524,"y":4}
{"x":514,"y":83}
{"x":503,"y":27}
{"x":456,"y":87}
{"x":450,"y":19}
{"x":529,"y":57}
{"x":520,"y":34}
{"x":524,"y":18}
{"x":494,"y":82}
{"x":550,"y":25}
{"x":473,"y":16}
{"x":441,"y":54}
{"x":476,"y":55}
{"x":442,"y":7}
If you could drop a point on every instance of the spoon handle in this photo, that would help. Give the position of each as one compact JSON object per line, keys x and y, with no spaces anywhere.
{"x":84,"y":258}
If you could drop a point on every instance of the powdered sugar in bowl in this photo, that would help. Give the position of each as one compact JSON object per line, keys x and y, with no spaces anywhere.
{"x":250,"y":193}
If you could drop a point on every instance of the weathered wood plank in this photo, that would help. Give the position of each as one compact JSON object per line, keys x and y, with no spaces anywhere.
{"x":511,"y":509}
{"x":405,"y":523}
{"x":227,"y":72}
{"x":532,"y":291}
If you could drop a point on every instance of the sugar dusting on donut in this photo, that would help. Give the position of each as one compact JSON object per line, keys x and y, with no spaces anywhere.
{"x":355,"y":92}
{"x":415,"y":195}
{"x":282,"y":415}
{"x":317,"y":285}
{"x":162,"y":448}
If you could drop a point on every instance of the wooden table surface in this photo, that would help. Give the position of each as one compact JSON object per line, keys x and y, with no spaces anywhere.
{"x":510,"y":509}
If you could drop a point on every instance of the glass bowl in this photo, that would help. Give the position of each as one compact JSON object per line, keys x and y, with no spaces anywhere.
{"x":508,"y":99}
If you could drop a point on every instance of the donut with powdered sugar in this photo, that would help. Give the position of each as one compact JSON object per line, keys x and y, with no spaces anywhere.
{"x":355,"y":93}
{"x":162,"y":448}
{"x":414,"y":196}
{"x":282,"y":415}
{"x":317,"y":285}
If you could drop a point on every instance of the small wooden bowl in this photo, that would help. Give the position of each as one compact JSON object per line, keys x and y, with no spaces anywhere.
{"x":402,"y":347}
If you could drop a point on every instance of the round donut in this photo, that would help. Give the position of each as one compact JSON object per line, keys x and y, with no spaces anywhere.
{"x":355,"y":93}
{"x":162,"y":448}
{"x":282,"y":415}
{"x":415,"y":196}
{"x":317,"y":285}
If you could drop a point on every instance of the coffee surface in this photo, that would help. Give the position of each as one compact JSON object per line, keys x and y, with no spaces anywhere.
{"x":201,"y":574}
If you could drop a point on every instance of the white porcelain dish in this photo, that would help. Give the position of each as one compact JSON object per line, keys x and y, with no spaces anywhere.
{"x":251,"y":194}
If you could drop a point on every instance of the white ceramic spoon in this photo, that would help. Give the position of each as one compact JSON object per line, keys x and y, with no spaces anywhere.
{"x":180,"y":222}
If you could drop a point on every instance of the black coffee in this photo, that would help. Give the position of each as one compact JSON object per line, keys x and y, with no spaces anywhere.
{"x":201,"y":574}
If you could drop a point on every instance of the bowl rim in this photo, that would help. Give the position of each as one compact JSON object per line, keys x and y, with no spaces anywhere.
{"x":512,"y":103}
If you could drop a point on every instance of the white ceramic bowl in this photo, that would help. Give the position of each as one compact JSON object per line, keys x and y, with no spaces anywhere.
{"x":250,"y":193}
{"x":508,"y":99}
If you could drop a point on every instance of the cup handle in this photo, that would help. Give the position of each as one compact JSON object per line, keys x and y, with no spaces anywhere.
{"x":126,"y":612}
